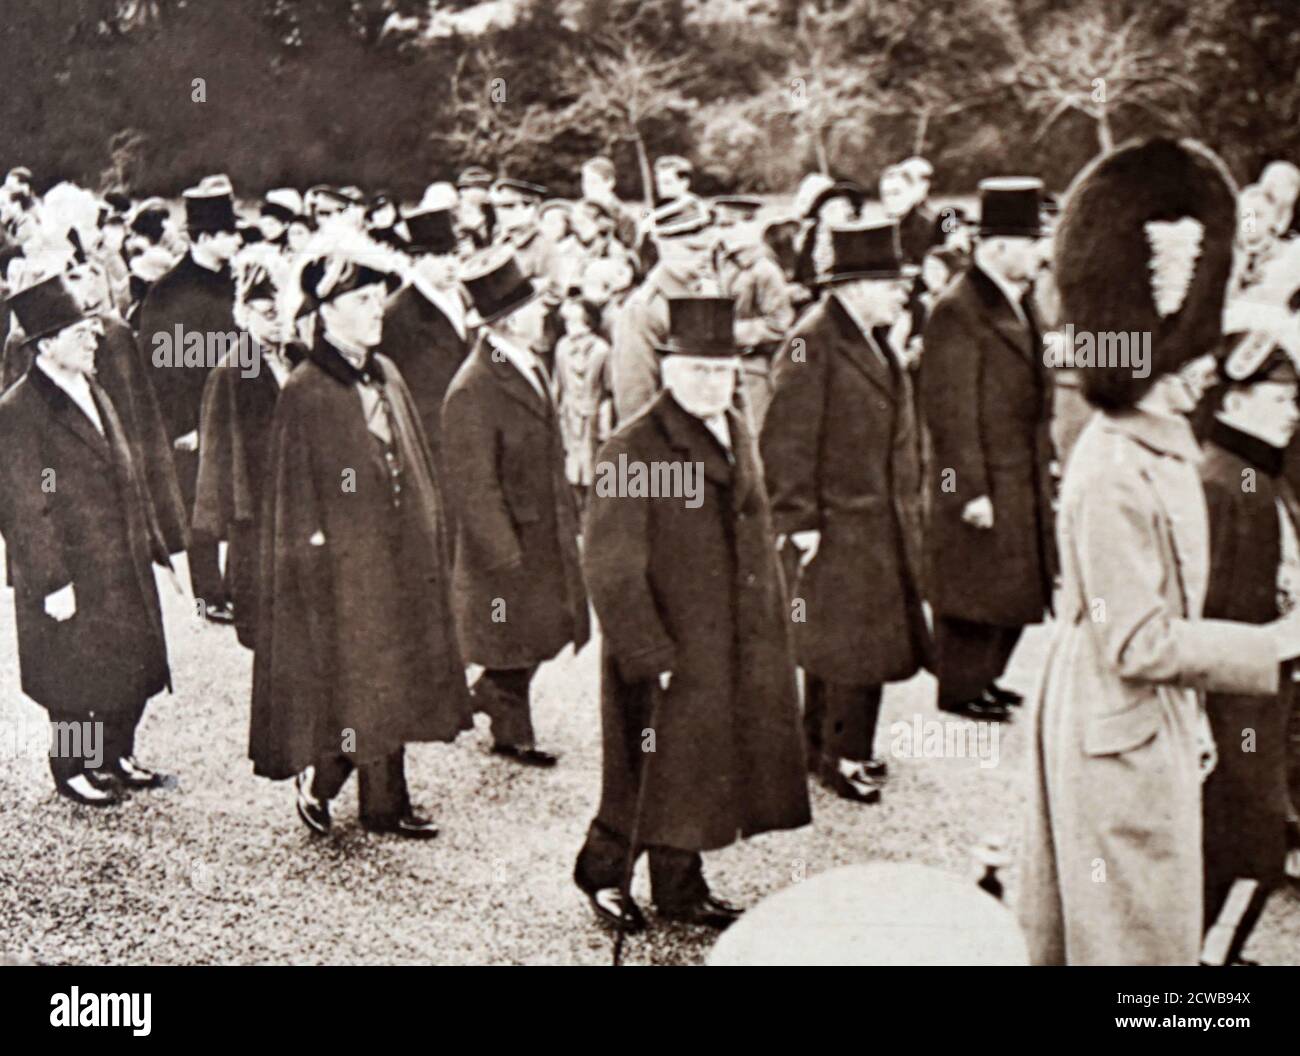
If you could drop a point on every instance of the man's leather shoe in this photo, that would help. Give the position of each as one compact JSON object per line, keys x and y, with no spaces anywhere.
{"x":876,"y":768}
{"x":409,"y":825}
{"x":526,"y":756}
{"x":1009,"y":697}
{"x":133,"y":775}
{"x":616,"y":911}
{"x":80,"y":789}
{"x":315,"y":813}
{"x":983,"y":707}
{"x":224,"y":613}
{"x":708,"y":912}
{"x":857,"y":785}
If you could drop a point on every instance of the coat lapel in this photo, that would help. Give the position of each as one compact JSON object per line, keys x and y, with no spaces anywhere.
{"x":862,"y":350}
{"x":1002,"y":318}
{"x":69,"y":415}
{"x":692,"y":438}
{"x":514,"y":383}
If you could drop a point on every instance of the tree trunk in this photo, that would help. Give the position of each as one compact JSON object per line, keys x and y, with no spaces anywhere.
{"x":922,"y":127}
{"x":819,"y":144}
{"x":643,"y":162}
{"x":1104,"y":139}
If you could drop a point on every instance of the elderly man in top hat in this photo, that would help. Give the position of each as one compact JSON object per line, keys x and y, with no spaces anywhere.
{"x":699,"y":705}
{"x":355,"y":653}
{"x":196,"y":296}
{"x":1254,"y":578}
{"x":841,"y":454}
{"x":519,"y":596}
{"x":985,"y":396}
{"x":749,"y":274}
{"x":426,"y":332}
{"x":81,"y":537}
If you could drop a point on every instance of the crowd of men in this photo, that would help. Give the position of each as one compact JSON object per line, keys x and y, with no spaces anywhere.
{"x":430,"y":438}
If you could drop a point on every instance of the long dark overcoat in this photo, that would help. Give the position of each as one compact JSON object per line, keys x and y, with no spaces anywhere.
{"x":354,"y":631}
{"x":985,"y":399}
{"x":1244,"y":800}
{"x":73,"y":510}
{"x":841,"y":455}
{"x":517,"y":585}
{"x":695,"y":590}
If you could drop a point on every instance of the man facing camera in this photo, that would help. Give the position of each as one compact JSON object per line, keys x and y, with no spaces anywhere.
{"x":81,"y":537}
{"x":699,"y":707}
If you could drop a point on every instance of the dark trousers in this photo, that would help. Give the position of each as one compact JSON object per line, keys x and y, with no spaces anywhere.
{"x":502,"y":694}
{"x":839,"y":720}
{"x":101,"y":740}
{"x":203,"y":554}
{"x":381,"y":786}
{"x":676,"y":876}
{"x":971,"y":656}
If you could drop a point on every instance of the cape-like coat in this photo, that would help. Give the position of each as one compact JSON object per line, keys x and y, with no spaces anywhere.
{"x":985,"y":397}
{"x":841,"y":455}
{"x":517,"y":586}
{"x":73,"y":510}
{"x":354,"y":630}
{"x":696,"y":591}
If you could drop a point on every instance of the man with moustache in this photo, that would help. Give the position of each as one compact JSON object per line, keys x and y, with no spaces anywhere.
{"x":81,"y":539}
{"x":197,"y":295}
{"x":355,"y":654}
{"x":517,"y":585}
{"x":985,"y":397}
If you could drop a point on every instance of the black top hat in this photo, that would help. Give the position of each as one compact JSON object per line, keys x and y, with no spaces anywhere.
{"x":1010,"y":207}
{"x":475,"y":176}
{"x":209,"y":210}
{"x":496,"y":285}
{"x":45,"y":307}
{"x":868,"y":251}
{"x":701,"y":326}
{"x":430,"y":231}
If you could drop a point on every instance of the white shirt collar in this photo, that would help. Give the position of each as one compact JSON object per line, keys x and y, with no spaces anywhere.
{"x":523,"y":360}
{"x":1009,"y":291}
{"x":77,"y":388}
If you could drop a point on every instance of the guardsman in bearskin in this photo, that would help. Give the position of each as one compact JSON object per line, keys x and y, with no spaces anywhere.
{"x":985,"y":396}
{"x":355,"y":655}
{"x":81,"y":539}
{"x":841,"y":454}
{"x":198,"y":297}
{"x":699,"y":704}
{"x":517,"y":584}
{"x":1254,"y":578}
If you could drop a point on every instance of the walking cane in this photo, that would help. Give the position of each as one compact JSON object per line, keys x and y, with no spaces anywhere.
{"x":629,"y":865}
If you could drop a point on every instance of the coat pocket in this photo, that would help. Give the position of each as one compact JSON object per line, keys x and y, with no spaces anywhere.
{"x":1123,"y":731}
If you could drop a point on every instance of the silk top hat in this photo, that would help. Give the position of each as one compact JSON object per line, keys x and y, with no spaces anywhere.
{"x":684,"y":216}
{"x":1144,"y":244}
{"x":867,"y":251}
{"x":209,"y":210}
{"x":430,"y":231}
{"x":701,"y":326}
{"x":45,"y":307}
{"x":1010,"y":207}
{"x":496,"y":285}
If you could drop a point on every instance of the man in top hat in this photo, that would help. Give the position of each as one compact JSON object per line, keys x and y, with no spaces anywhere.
{"x":985,"y":397}
{"x":196,"y":297}
{"x":355,"y":653}
{"x":750,"y":275}
{"x":425,"y":324}
{"x":1254,"y":578}
{"x":699,"y":705}
{"x":476,"y":217}
{"x":841,"y":454}
{"x":80,"y":537}
{"x":684,"y":239}
{"x":518,"y":590}
{"x":515,"y":204}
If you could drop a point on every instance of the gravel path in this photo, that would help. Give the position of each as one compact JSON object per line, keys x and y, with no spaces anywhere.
{"x":219,"y":869}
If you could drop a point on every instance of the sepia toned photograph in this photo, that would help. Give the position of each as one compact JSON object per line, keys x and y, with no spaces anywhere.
{"x":666,"y":483}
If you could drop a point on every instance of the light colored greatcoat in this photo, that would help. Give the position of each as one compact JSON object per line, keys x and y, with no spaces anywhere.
{"x":1111,"y":872}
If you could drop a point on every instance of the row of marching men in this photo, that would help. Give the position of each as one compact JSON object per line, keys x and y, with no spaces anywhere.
{"x":389,"y":553}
